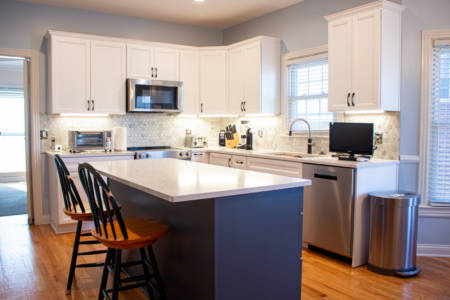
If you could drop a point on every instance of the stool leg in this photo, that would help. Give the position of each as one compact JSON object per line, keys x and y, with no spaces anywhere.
{"x":73,"y":262}
{"x":146,"y":272}
{"x":116,"y":282}
{"x":105,"y":273}
{"x":162,"y":293}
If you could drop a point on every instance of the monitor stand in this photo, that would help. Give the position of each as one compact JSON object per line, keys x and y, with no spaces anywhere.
{"x":350,"y":157}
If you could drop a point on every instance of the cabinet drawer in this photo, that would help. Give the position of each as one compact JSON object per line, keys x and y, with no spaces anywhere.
{"x":273,"y":166}
{"x":239,"y":162}
{"x":220,"y":159}
{"x":200,"y":157}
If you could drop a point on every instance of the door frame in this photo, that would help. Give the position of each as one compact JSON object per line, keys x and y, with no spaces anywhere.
{"x":32,"y":124}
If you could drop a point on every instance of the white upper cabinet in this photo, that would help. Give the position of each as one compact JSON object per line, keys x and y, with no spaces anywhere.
{"x":108,"y":75}
{"x":69,"y":75}
{"x":156,"y":63}
{"x":189,"y":75}
{"x":166,"y":64}
{"x":139,"y":61}
{"x":213,"y":81}
{"x":254,"y":76}
{"x":364,"y":57}
{"x":85,"y":76}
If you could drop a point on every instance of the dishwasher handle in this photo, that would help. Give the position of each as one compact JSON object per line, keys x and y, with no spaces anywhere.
{"x":329,"y":176}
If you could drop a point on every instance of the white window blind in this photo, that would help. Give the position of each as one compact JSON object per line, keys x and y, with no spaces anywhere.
{"x":438,"y":183}
{"x":308,"y":94}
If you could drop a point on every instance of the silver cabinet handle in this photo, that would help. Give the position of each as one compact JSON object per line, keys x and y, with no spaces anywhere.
{"x":245,"y":108}
{"x":239,"y":162}
{"x":348,"y":99}
{"x":229,"y":163}
{"x":353,"y":97}
{"x":156,"y":72}
{"x":152,"y":73}
{"x":88,"y":105}
{"x":93,"y":105}
{"x":201,"y":107}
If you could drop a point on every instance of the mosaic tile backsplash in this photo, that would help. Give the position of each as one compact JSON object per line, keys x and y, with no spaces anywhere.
{"x":164,"y":129}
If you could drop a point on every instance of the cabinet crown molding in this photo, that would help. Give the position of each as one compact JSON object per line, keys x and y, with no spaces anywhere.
{"x":381,"y":4}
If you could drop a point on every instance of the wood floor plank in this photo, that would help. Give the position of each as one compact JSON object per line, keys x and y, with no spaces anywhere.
{"x":34,"y":264}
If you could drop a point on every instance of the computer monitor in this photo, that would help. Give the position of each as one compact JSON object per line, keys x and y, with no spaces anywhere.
{"x":351,"y":138}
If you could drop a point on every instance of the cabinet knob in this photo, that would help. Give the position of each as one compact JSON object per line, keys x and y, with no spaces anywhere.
{"x":348,"y":99}
{"x":353,"y":97}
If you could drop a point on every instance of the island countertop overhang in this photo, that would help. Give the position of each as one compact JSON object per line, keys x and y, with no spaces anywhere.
{"x":179,"y":180}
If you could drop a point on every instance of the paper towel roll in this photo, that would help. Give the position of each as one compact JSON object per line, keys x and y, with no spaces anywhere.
{"x":120,"y":138}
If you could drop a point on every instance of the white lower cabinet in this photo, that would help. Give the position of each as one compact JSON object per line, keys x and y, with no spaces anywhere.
{"x":273,"y":166}
{"x":202,"y":157}
{"x":220,"y":159}
{"x":60,"y":222}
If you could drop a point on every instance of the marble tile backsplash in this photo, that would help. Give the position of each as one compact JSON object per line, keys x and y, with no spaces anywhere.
{"x":269,"y":132}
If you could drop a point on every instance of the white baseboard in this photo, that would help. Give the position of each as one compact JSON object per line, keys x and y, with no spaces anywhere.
{"x":433,"y":250}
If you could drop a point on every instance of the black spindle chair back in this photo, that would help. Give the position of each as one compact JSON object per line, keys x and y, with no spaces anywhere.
{"x":105,"y":209}
{"x":72,"y":200}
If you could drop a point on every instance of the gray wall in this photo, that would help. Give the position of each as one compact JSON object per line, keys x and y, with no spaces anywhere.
{"x":302,"y":26}
{"x":24,"y":25}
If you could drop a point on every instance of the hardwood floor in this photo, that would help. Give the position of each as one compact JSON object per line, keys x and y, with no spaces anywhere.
{"x":34,"y":263}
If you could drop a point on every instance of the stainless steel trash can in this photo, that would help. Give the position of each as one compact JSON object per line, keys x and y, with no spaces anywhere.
{"x":393,"y":233}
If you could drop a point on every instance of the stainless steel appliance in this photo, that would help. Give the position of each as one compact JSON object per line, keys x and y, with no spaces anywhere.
{"x":88,"y":140}
{"x":328,"y":208}
{"x":160,"y":152}
{"x":154,"y":96}
{"x":393,"y":233}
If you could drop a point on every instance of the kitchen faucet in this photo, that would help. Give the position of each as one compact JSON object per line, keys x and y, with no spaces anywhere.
{"x":309,"y":132}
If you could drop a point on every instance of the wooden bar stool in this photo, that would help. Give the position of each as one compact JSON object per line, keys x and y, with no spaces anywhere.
{"x":120,"y":234}
{"x":74,"y":208}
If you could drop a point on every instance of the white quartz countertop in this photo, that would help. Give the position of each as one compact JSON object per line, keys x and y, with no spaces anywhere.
{"x":89,"y":153}
{"x":179,"y":180}
{"x":318,"y":159}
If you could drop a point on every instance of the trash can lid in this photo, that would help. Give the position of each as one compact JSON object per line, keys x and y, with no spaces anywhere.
{"x":397,"y":198}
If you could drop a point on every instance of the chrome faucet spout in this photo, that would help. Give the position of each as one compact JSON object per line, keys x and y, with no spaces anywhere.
{"x":309,"y":132}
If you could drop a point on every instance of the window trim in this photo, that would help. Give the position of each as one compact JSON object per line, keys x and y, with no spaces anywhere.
{"x":428,"y":38}
{"x":296,"y":57}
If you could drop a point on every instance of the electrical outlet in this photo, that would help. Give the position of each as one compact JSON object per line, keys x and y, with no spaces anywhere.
{"x":378,"y":138}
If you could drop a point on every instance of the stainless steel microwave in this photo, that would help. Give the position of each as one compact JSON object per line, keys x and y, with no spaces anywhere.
{"x":145,"y":95}
{"x":88,"y":140}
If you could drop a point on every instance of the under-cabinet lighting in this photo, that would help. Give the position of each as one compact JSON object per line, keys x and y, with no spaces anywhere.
{"x":260,"y":115}
{"x":364,"y":112}
{"x":219,"y":116}
{"x":199,"y":0}
{"x":187,"y":116}
{"x":83,"y":115}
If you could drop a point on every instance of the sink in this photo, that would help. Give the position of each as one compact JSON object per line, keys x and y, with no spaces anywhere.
{"x":293,"y":154}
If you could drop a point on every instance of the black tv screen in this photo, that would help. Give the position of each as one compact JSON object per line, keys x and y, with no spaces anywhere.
{"x":352,"y":138}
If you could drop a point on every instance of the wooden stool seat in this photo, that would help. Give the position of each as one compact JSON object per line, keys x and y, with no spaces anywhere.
{"x":141,"y":233}
{"x":79,"y":215}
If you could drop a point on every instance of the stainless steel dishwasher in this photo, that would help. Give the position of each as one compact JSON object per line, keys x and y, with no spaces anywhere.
{"x":328,"y":208}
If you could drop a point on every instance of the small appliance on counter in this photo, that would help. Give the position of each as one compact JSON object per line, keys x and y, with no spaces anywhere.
{"x":192,"y":141}
{"x":88,"y":140}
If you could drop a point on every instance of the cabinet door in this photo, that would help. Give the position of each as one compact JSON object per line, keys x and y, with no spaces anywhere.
{"x":339,"y":63}
{"x":139,"y":61}
{"x":70,"y":60}
{"x":166,"y":64}
{"x":189,"y":77}
{"x":213,"y":82}
{"x":237,"y":77}
{"x":366,"y":60}
{"x":252,"y":80}
{"x":108,"y":77}
{"x":220,"y":159}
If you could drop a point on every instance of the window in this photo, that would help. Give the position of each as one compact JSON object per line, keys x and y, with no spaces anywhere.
{"x":438,"y":169}
{"x":308,"y":93}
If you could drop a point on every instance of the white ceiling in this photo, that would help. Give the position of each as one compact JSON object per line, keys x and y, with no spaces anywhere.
{"x":218,"y":14}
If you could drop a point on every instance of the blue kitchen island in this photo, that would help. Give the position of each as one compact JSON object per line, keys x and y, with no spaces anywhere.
{"x":234,"y":234}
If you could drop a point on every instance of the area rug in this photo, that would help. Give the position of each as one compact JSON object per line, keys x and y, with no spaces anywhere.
{"x":12,"y":201}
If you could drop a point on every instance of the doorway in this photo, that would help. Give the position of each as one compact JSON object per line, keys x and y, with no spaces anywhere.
{"x":13,"y":136}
